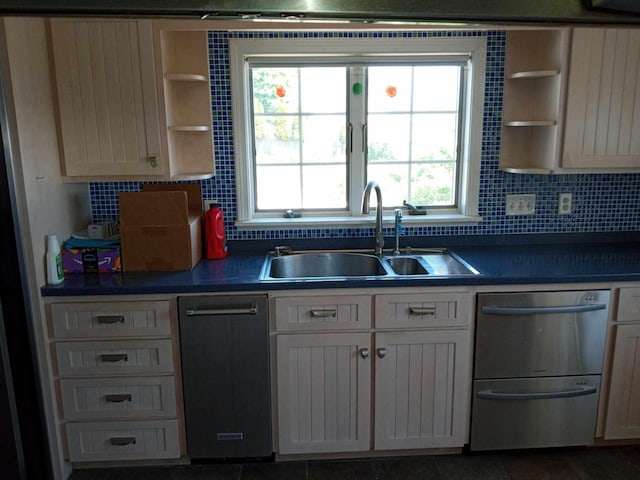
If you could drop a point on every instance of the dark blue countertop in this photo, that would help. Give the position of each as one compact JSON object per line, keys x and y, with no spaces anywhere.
{"x":566,"y":259}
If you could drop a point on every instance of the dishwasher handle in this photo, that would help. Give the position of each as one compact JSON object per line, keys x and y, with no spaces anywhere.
{"x":195,"y":312}
{"x":579,"y":392}
{"x":493,"y":310}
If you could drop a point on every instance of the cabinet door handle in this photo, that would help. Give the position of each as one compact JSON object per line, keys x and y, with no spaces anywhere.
{"x":364,"y":353}
{"x":422,"y":310}
{"x":109,"y":319}
{"x":118,"y":397}
{"x":330,"y":312}
{"x":114,"y":357}
{"x":153,"y":160}
{"x":382,"y":352}
{"x":122,"y":441}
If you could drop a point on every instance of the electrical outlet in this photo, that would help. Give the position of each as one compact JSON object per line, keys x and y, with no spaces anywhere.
{"x":209,"y":203}
{"x":565,"y":204}
{"x":524,"y":204}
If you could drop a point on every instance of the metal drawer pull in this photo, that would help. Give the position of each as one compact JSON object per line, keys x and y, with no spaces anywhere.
{"x":109,"y":319}
{"x":422,"y":310}
{"x":229,"y":436}
{"x":118,"y":397}
{"x":122,"y":441}
{"x":491,"y":395}
{"x":364,"y":353}
{"x":194,"y":312}
{"x":382,"y":352}
{"x":332,"y":312}
{"x":114,"y":357}
{"x":542,"y":310}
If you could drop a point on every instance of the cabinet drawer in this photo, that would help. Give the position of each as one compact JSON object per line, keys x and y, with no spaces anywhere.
{"x":135,"y":397}
{"x":147,"y":439}
{"x":629,"y":305}
{"x":114,"y":357}
{"x":422,"y":310}
{"x":323,"y":313}
{"x":111,"y":319}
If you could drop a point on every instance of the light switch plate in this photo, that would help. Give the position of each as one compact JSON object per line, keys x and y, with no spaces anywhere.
{"x":523,"y":204}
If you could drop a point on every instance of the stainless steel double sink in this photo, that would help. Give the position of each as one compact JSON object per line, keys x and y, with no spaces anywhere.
{"x":333,"y":265}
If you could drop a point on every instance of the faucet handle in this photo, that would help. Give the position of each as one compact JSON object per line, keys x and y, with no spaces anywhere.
{"x":399,"y":228}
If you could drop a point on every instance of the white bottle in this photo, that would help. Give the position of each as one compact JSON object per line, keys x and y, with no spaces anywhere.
{"x":55,"y":273}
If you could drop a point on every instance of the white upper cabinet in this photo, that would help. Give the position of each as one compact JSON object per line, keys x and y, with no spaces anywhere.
{"x":107,"y":100}
{"x":571,"y":101}
{"x":603,"y":100}
{"x":134,"y":99}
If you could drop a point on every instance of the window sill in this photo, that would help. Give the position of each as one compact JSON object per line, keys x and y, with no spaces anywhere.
{"x":356,"y":222}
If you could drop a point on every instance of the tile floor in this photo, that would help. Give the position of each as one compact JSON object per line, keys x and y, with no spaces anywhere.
{"x":603,"y":463}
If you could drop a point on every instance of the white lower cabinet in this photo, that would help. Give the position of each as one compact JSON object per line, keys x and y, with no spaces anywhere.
{"x":324,"y":384}
{"x":116,"y":379}
{"x":623,"y":414}
{"x":422,"y":384}
{"x":400,"y":384}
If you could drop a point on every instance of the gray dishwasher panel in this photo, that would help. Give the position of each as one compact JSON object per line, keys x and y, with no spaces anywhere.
{"x":225,"y":369}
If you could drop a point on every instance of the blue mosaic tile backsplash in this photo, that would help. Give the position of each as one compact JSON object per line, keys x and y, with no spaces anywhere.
{"x":601,"y":202}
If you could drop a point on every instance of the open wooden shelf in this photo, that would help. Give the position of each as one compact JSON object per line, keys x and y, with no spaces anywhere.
{"x":532,"y":114}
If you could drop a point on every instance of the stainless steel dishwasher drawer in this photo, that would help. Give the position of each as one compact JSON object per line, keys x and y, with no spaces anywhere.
{"x":224,"y":343}
{"x":534,"y":412}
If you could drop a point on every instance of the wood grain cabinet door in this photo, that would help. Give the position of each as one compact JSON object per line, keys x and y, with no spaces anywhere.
{"x":602,"y":125}
{"x":421,"y":389}
{"x":107,"y":98}
{"x":324,"y":392}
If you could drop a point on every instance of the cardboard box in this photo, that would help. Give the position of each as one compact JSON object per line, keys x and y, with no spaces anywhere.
{"x":91,"y":260}
{"x":161,"y":227}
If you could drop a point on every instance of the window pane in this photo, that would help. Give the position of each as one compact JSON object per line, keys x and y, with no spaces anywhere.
{"x":323,"y":89}
{"x":323,"y":139}
{"x":393,"y":180}
{"x":275,"y":90}
{"x":389,"y":89}
{"x":413,"y":118}
{"x":299,"y":119}
{"x":278,"y":187}
{"x":277,"y":139}
{"x":434,"y":137}
{"x":388,"y":137}
{"x":433,"y":184}
{"x":324,"y":186}
{"x":436,"y":88}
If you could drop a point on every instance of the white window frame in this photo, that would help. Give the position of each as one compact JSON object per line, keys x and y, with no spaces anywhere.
{"x":241,"y":97}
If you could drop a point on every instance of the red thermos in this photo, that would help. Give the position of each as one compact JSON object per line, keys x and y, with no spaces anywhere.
{"x":216,"y":245}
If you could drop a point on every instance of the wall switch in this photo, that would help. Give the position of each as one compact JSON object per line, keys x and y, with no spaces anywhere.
{"x":565,"y":204}
{"x":521,"y":204}
{"x":209,"y":203}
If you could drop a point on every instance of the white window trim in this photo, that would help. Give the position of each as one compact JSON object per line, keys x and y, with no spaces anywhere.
{"x":241,"y":49}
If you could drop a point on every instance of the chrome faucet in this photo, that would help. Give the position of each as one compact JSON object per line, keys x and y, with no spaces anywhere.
{"x":365,"y":210}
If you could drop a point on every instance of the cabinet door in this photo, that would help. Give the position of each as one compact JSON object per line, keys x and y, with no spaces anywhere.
{"x":623,"y":414}
{"x":324,"y":392}
{"x":107,"y":100}
{"x":603,"y":106}
{"x":422,"y":387}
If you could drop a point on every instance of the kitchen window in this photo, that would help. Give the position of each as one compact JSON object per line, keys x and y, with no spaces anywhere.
{"x":315,"y":119}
